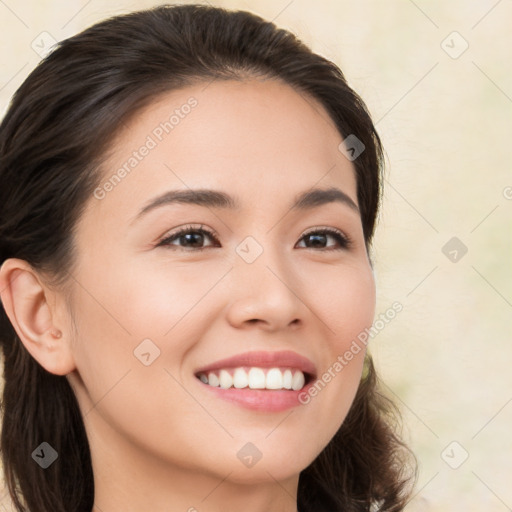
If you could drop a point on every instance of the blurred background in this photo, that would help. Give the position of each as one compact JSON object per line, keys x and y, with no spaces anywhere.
{"x":436,"y":76}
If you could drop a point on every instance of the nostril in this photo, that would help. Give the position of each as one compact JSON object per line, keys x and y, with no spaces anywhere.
{"x":255,"y":321}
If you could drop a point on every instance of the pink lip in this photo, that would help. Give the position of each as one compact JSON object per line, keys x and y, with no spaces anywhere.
{"x":282,"y":359}
{"x":262,"y":400}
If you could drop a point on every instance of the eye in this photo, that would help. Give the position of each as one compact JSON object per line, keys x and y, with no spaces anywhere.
{"x":193,"y":238}
{"x":319,"y":238}
{"x":189,"y":237}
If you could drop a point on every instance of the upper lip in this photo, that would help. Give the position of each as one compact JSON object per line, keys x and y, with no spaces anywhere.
{"x":264,"y":359}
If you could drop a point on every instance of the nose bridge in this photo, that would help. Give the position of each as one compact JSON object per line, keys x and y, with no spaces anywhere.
{"x":263,"y":285}
{"x":260,"y":261}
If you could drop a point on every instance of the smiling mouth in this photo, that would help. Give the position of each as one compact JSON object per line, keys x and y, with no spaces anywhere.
{"x":256,"y":378}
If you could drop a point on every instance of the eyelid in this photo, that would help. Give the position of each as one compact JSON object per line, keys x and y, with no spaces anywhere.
{"x":185,"y":229}
{"x":327,"y":230}
{"x":346,"y":242}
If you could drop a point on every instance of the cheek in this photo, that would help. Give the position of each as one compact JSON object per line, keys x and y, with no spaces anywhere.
{"x":160,"y":300}
{"x":346,"y":301}
{"x":126,"y":304}
{"x":117,"y":390}
{"x":135,"y":314}
{"x":137,"y":301}
{"x":348,"y":306}
{"x":351,"y":314}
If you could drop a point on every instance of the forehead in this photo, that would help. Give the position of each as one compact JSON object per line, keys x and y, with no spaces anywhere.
{"x":259,"y":139}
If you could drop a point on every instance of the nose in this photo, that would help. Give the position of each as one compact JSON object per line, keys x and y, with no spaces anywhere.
{"x":265,"y":294}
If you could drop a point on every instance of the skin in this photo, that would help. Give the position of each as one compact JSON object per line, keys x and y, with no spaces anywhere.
{"x":159,"y":440}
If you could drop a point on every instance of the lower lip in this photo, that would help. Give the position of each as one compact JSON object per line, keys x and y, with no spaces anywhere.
{"x":264,"y":400}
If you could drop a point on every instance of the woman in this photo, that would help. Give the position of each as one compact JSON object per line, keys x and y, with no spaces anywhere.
{"x":188,"y":201}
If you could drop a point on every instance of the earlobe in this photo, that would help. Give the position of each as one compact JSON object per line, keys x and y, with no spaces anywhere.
{"x":30,"y":306}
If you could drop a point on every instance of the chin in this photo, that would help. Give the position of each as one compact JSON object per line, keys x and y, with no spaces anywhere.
{"x":267,"y":462}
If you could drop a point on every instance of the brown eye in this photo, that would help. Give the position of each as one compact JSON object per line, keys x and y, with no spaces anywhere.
{"x":318,"y":239}
{"x":189,"y":238}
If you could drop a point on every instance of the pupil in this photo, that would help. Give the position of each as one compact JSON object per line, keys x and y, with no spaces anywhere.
{"x":189,"y":237}
{"x":318,"y":238}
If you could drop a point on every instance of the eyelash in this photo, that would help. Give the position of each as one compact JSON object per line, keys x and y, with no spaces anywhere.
{"x":343,"y":240}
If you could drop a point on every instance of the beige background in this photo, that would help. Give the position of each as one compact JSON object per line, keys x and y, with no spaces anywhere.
{"x":445,"y":120}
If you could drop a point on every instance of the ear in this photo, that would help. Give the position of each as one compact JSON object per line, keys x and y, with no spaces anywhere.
{"x":33,"y":310}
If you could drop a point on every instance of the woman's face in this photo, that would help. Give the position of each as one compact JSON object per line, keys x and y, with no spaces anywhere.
{"x":252,"y":293}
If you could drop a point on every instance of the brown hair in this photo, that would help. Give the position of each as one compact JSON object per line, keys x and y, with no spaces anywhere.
{"x":52,"y":139}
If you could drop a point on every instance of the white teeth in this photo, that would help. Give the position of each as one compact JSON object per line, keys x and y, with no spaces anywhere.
{"x":274,"y":379}
{"x":255,"y":378}
{"x":287,"y":379}
{"x":298,"y":381}
{"x":225,"y":379}
{"x":213,"y":380}
{"x":240,"y":379}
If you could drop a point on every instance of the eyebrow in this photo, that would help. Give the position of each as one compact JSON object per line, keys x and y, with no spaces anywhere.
{"x":218,"y":199}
